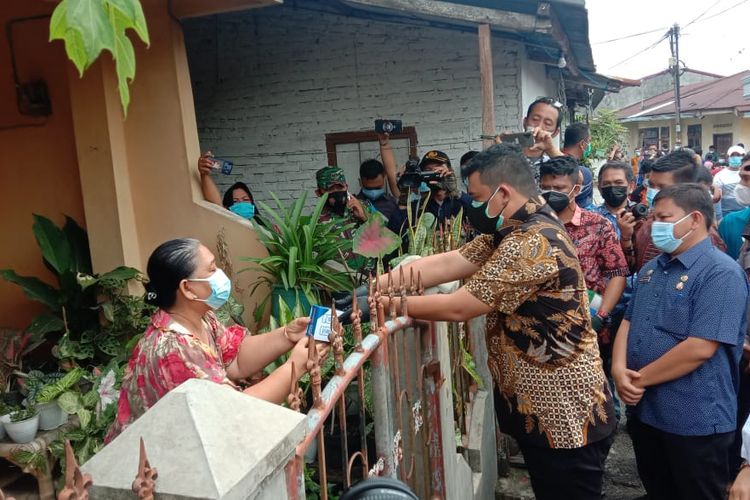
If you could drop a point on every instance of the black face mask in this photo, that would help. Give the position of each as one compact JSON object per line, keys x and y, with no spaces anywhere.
{"x":614,"y":196}
{"x":337,"y":202}
{"x":479,"y":220}
{"x":556,"y":201}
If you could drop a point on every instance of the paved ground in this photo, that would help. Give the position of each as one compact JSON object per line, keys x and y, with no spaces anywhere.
{"x":621,"y":481}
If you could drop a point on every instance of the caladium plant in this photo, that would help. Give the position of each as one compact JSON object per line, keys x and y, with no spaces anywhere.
{"x":373,"y":239}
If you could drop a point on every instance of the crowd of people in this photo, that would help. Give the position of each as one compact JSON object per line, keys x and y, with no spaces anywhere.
{"x":634,"y":308}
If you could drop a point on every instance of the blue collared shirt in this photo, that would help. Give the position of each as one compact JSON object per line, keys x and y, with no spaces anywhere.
{"x":604,"y":212}
{"x":700,"y":293}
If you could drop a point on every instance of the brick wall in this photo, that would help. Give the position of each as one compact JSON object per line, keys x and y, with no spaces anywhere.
{"x":270,"y":83}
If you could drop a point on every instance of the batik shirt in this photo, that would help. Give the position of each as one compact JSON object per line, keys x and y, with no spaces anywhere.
{"x":166,"y":356}
{"x":598,"y":249}
{"x":543,"y":352}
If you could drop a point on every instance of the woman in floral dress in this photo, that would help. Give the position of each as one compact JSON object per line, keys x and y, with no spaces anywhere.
{"x":185,"y":340}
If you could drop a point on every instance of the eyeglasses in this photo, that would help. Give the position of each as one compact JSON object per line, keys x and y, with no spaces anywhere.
{"x":548,"y":100}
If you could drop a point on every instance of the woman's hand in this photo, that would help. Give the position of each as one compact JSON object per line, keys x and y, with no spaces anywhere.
{"x":299,"y":354}
{"x":296,"y":328}
{"x":206,"y":163}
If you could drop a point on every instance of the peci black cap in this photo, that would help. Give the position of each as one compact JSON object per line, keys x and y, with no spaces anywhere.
{"x":434,"y":156}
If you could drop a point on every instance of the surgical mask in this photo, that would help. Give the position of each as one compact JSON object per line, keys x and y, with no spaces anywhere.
{"x":556,"y":200}
{"x":480,"y":218}
{"x":424,"y":188}
{"x":742,"y":195}
{"x":587,"y":151}
{"x":244,"y":209}
{"x":650,"y":195}
{"x":373,"y":194}
{"x":337,"y":202}
{"x":735,"y":161}
{"x":662,"y":235}
{"x":221,"y":288}
{"x":614,"y":196}
{"x":414,"y":197}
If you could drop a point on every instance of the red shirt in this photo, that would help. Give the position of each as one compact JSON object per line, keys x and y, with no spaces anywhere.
{"x":598,"y":249}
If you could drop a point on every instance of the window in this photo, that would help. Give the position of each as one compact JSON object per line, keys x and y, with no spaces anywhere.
{"x":648,"y":137}
{"x":349,"y":149}
{"x":664,"y":137}
{"x":694,"y":136}
{"x":723,"y":142}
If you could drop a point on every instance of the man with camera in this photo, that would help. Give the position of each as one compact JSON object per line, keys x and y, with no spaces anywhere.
{"x":677,"y":167}
{"x":523,"y":273}
{"x":431,"y":181}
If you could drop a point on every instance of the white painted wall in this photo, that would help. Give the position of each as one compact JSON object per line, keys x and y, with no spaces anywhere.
{"x":270,"y":83}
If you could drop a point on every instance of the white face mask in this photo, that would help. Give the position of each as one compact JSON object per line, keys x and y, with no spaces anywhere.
{"x":742,"y":195}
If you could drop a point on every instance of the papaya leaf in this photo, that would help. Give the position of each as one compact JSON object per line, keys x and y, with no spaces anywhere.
{"x":89,"y":18}
{"x":372,"y":239}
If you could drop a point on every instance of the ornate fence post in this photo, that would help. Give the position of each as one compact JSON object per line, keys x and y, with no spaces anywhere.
{"x":77,"y":483}
{"x":145,"y":481}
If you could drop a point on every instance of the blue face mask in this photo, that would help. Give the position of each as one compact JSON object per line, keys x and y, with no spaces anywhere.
{"x":221,"y":288}
{"x":424,"y":188}
{"x":373,"y":194}
{"x":244,"y":209}
{"x":735,"y":161}
{"x":414,"y":197}
{"x":650,"y":195}
{"x":662,"y":235}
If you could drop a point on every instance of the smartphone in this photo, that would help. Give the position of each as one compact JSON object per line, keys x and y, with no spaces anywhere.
{"x":225,"y":166}
{"x":523,"y":139}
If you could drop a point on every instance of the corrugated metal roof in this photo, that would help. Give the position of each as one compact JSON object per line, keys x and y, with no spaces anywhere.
{"x":722,"y":94}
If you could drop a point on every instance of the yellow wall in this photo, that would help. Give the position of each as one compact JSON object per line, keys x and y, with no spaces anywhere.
{"x":710,"y":125}
{"x":39,"y":171}
{"x":139,"y":175}
{"x":134,"y":179}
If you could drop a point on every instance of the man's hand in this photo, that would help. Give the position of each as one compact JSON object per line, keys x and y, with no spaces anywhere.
{"x":384,"y":139}
{"x":298,"y":355}
{"x":624,"y":381}
{"x":741,"y":487}
{"x":357,"y":209}
{"x":206,"y":163}
{"x":443,"y":170}
{"x":626,"y":222}
{"x":543,"y":142}
{"x":345,"y":304}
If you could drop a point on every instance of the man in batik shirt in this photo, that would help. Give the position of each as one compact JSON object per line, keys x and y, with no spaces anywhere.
{"x":523,"y":273}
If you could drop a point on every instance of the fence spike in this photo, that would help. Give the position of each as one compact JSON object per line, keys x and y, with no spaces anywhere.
{"x":294,"y":399}
{"x":412,"y":283}
{"x":372,"y":303}
{"x":145,"y":481}
{"x":77,"y":483}
{"x":313,"y":368}
{"x":420,"y":288}
{"x":357,"y":323}
{"x":336,"y":337}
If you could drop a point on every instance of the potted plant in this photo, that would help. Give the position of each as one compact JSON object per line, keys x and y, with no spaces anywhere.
{"x":299,"y":246}
{"x":44,"y":390}
{"x":22,"y":425}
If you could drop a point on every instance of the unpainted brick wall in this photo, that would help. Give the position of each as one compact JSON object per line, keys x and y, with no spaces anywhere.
{"x":270,"y":83}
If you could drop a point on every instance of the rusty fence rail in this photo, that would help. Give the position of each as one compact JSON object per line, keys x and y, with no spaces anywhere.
{"x":404,"y":380}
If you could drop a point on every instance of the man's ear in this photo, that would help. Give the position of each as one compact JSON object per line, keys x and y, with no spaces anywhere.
{"x":556,"y":132}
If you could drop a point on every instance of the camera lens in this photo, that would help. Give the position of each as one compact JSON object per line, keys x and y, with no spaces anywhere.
{"x":388,"y":127}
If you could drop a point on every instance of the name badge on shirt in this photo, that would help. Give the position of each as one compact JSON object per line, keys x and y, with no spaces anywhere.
{"x":647,"y":277}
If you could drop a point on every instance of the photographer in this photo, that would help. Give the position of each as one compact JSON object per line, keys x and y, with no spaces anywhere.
{"x":432,"y":178}
{"x":238,"y":199}
{"x":523,"y":272}
{"x":543,"y":119}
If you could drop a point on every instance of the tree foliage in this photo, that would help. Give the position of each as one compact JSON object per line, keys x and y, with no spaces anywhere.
{"x":88,"y":27}
{"x":606,"y":131}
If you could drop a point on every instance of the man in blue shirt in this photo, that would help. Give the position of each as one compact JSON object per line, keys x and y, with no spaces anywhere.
{"x":676,"y":356}
{"x":732,"y":225}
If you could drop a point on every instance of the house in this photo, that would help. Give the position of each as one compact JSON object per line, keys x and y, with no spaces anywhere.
{"x":270,"y":90}
{"x":286,"y":90}
{"x":653,"y":85}
{"x":712,"y":112}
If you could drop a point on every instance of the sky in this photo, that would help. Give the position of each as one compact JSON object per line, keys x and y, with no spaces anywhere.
{"x":716,"y":42}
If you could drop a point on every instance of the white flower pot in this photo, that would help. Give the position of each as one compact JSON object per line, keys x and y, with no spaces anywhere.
{"x":24,"y":431}
{"x":2,"y":427}
{"x":51,"y":416}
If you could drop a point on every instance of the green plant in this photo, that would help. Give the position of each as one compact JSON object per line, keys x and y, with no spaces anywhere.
{"x":606,"y":131}
{"x":90,"y":317}
{"x":298,"y":248}
{"x":89,"y":27}
{"x":23,"y":414}
{"x":56,"y":387}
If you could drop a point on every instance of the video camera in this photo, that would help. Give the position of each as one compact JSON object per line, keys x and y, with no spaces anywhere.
{"x":639,"y":211}
{"x":413,"y":176}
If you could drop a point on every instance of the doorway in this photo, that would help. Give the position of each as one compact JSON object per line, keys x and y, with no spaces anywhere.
{"x":723,"y":142}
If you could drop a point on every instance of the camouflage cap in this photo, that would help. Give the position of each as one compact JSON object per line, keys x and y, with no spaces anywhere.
{"x":328,"y":176}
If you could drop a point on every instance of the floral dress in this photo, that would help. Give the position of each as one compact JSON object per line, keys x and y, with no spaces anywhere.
{"x":166,"y":356}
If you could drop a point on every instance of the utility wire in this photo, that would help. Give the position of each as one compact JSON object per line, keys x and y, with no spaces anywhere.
{"x":723,"y":11}
{"x":630,"y":36}
{"x":663,"y":37}
{"x":702,"y":14}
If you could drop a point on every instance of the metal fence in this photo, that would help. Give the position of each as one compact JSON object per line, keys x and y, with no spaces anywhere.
{"x":404,"y":380}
